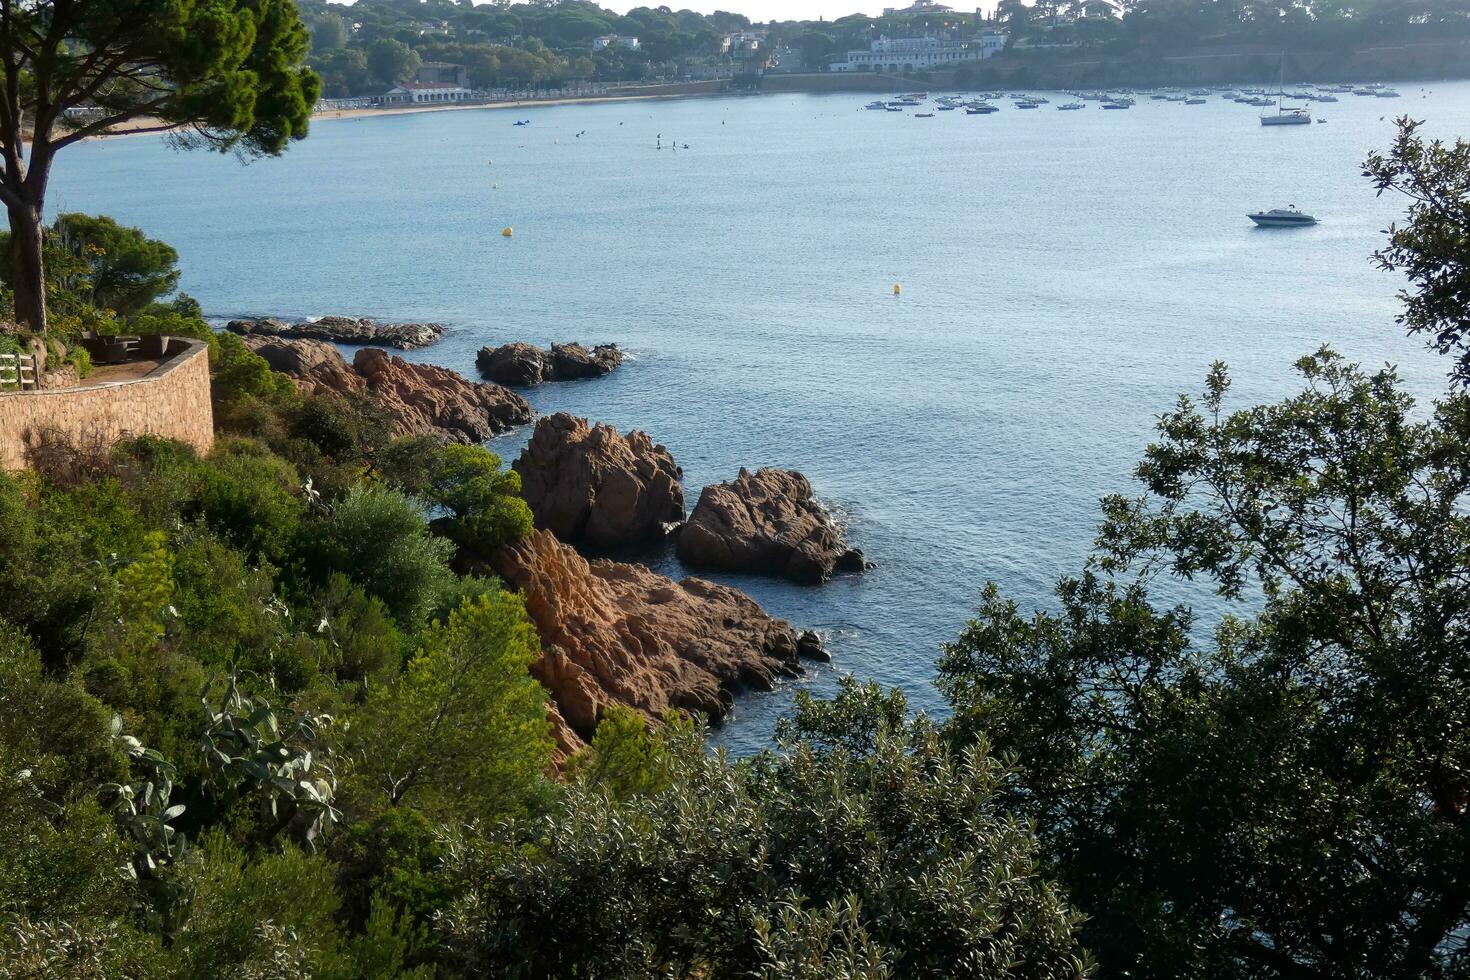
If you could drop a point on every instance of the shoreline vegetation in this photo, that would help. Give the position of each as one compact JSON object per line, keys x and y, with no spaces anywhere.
{"x":1417,"y":61}
{"x":340,"y":698}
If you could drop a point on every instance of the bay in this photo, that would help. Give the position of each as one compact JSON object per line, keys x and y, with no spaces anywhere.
{"x":1064,"y":276}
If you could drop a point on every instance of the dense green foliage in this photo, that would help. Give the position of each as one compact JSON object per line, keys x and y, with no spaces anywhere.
{"x":726,"y":869}
{"x":1430,"y":247}
{"x":372,"y":44}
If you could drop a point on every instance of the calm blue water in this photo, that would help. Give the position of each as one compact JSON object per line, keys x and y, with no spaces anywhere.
{"x":1064,"y":276}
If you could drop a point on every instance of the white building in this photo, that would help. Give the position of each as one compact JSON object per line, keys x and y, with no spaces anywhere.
{"x":918,"y":7}
{"x":609,"y":40}
{"x":911,"y":54}
{"x":419,"y":93}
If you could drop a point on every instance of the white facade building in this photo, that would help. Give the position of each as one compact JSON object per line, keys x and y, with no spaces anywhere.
{"x":419,"y":93}
{"x":911,"y":54}
{"x":608,"y":40}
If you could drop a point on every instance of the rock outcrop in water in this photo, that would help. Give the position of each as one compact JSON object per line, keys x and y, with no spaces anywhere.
{"x":424,"y":399}
{"x":343,"y":330}
{"x":589,"y":484}
{"x":766,"y":523}
{"x":616,"y":633}
{"x":525,"y":365}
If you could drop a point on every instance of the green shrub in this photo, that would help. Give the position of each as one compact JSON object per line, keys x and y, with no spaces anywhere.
{"x":380,"y":541}
{"x":484,"y":499}
{"x":251,"y":498}
{"x":239,"y":371}
{"x":463,"y":729}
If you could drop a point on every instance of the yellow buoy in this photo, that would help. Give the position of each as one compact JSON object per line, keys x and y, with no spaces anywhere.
{"x":897,"y":289}
{"x":507,"y":233}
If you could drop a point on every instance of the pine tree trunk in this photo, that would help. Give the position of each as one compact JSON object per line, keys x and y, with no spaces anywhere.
{"x":28,"y":271}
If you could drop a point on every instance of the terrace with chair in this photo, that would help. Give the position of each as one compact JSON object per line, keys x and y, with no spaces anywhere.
{"x":151,"y":385}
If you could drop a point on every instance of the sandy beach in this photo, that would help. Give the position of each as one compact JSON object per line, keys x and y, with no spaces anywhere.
{"x":684,"y":93}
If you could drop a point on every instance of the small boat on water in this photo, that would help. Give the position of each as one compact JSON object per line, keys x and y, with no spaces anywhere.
{"x":1028,"y":105}
{"x":1325,"y":97}
{"x":1287,"y":117}
{"x":1287,"y":217}
{"x":879,"y":105}
{"x":923,"y":115}
{"x":1386,"y":93}
{"x":1110,"y":104}
{"x":1071,"y":106}
{"x":983,"y":109}
{"x":1193,"y":101}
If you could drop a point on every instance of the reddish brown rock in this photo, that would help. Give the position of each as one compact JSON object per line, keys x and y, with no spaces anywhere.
{"x":425,"y":399}
{"x":766,"y":523}
{"x":525,"y":365}
{"x":588,"y":484}
{"x":313,"y":364}
{"x":615,"y":633}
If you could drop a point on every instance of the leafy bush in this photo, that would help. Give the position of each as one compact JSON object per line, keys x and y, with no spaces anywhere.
{"x":484,"y":499}
{"x":689,"y":880}
{"x":380,"y":541}
{"x":251,"y":498}
{"x":239,"y":372}
{"x":463,"y":729}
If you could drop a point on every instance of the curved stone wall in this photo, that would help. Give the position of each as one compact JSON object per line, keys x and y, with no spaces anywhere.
{"x":172,"y":402}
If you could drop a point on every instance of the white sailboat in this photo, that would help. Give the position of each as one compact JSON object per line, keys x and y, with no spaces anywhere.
{"x":1285,"y":116}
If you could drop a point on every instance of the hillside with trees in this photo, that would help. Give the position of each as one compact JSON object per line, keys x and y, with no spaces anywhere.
{"x":370,"y":45}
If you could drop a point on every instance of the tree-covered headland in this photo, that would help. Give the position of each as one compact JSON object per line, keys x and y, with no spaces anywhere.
{"x":367,"y":46}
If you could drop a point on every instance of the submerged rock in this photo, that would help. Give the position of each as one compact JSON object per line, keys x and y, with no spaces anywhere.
{"x":343,"y":330}
{"x":424,"y":399}
{"x":766,"y":523}
{"x":616,"y":633}
{"x":589,"y":484}
{"x":525,"y":365}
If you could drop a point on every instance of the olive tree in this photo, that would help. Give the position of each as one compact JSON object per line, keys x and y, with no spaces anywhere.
{"x":225,"y":74}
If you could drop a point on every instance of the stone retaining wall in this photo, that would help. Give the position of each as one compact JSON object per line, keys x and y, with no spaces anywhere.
{"x":172,"y":402}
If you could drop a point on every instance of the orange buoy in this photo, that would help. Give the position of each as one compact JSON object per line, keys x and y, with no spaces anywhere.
{"x":507,"y":233}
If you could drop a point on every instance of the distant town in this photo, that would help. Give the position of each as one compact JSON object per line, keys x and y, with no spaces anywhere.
{"x":406,"y":53}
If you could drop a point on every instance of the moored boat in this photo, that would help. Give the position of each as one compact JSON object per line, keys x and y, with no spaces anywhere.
{"x":1287,"y":217}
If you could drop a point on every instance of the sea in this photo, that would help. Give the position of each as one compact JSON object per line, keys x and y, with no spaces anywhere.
{"x":1063,"y":277}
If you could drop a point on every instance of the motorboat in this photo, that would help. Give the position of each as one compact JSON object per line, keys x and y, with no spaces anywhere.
{"x":1027,"y":105}
{"x":923,"y":115}
{"x":1325,"y":97}
{"x":1112,"y":104}
{"x":1193,"y":101}
{"x":982,"y":109}
{"x":879,"y":105}
{"x":1287,"y":217}
{"x":1071,"y":106}
{"x":1386,"y":93}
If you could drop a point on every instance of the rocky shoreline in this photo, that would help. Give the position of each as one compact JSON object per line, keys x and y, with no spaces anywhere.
{"x":612,"y":632}
{"x":342,"y":330}
{"x":423,"y":399}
